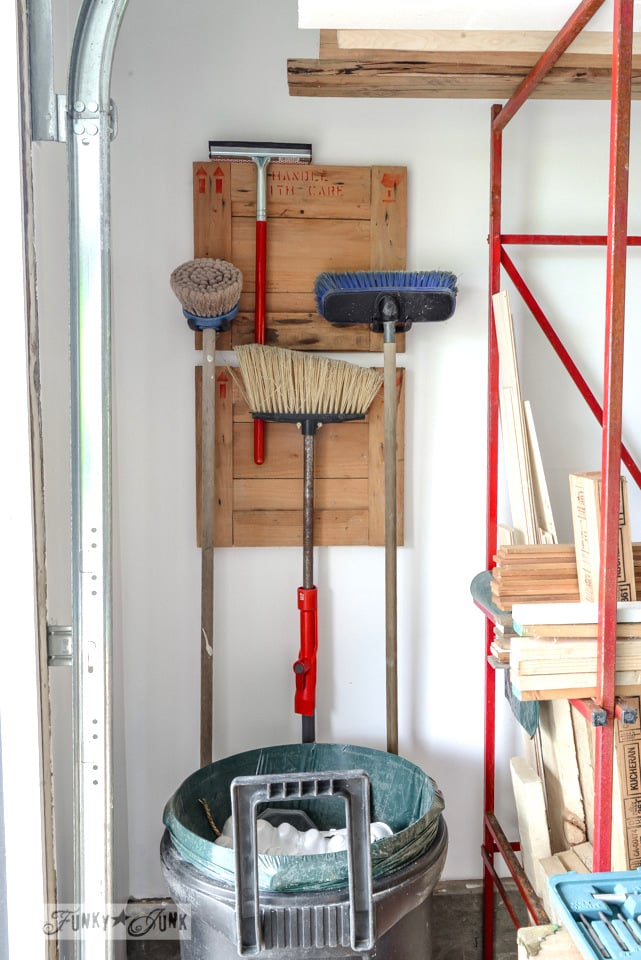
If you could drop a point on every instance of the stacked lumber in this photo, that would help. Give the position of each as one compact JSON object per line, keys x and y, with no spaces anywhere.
{"x":559,"y":667}
{"x":541,"y":573}
{"x":551,"y":660}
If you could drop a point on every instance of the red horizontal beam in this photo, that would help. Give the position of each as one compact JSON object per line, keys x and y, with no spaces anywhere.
{"x":562,"y":239}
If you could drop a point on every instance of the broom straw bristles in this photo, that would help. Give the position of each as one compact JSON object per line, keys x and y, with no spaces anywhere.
{"x":280,"y":381}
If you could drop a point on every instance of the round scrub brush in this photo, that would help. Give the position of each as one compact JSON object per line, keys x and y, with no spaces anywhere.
{"x":209,"y":291}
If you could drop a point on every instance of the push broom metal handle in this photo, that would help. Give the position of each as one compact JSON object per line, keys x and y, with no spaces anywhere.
{"x":248,"y":792}
{"x":389,"y":388}
{"x":208,"y":497}
{"x":260,"y":312}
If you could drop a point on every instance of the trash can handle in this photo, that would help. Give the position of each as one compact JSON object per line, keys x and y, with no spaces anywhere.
{"x":248,"y":792}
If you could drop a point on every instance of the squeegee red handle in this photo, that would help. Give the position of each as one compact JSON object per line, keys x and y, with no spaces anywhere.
{"x":305,"y":666}
{"x":260,"y":323}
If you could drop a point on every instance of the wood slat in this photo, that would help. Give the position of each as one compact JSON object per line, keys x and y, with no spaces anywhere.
{"x":574,"y":630}
{"x":263,"y":528}
{"x":578,"y":688}
{"x":536,"y":656}
{"x":341,"y":450}
{"x":329,"y":494}
{"x":531,"y":814}
{"x":589,"y":43}
{"x":299,"y":330}
{"x":513,"y":425}
{"x":329,"y":49}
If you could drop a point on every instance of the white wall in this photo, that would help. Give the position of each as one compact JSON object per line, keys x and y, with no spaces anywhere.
{"x":188,"y":73}
{"x":456,"y":15}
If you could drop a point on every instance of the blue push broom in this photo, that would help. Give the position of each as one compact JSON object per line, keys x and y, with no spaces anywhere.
{"x":389,"y":302}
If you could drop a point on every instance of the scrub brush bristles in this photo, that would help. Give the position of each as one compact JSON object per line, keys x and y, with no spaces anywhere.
{"x":206,"y":287}
{"x":280,"y":381}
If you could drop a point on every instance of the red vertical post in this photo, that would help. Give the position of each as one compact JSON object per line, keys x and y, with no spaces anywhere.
{"x":491,"y":521}
{"x":612,"y":413}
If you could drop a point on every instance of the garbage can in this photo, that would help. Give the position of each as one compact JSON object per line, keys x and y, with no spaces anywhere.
{"x":370,"y":899}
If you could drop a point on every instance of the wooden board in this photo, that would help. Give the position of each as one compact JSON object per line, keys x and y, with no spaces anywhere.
{"x":547,"y":527}
{"x":548,"y":942}
{"x":585,"y":491}
{"x":626,"y":683}
{"x":531,"y":814}
{"x":513,"y":425}
{"x":418,"y":77}
{"x":563,"y":790}
{"x":334,"y":218}
{"x":258,"y":506}
{"x":487,"y":73}
{"x":512,"y":44}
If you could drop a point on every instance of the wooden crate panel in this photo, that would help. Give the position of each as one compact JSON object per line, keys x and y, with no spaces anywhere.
{"x":262,"y":505}
{"x":300,"y":330}
{"x":262,"y":528}
{"x":342,"y":245}
{"x":301,"y":190}
{"x":340,"y":450}
{"x":332,"y":494}
{"x":318,"y":218}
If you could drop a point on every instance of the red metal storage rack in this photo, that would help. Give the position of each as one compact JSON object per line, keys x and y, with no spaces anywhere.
{"x":612,"y":452}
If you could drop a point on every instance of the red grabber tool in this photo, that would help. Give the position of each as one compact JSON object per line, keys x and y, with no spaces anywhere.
{"x":262,"y":154}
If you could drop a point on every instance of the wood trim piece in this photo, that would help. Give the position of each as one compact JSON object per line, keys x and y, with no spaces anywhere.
{"x":513,"y":425}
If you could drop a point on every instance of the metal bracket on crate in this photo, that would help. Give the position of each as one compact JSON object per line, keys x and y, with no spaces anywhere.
{"x":248,"y":792}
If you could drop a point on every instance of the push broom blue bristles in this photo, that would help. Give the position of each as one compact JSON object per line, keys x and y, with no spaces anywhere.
{"x":372,"y":297}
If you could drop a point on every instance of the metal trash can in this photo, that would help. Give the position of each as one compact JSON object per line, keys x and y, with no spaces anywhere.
{"x":373,"y":899}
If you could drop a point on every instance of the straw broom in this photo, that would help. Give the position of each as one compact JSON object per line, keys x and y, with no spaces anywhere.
{"x":296,"y":384}
{"x":308,"y":389}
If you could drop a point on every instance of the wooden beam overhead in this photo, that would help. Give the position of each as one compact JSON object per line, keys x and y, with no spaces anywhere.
{"x":484,"y":80}
{"x":489,"y":73}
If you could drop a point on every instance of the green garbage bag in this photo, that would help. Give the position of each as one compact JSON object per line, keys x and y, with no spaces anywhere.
{"x":401,"y":795}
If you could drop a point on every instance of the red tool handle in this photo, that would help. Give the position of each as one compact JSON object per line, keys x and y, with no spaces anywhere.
{"x":305,"y":666}
{"x":259,"y":323}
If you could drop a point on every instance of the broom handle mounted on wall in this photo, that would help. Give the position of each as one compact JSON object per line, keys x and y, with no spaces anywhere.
{"x":260,"y":311}
{"x":389,"y":391}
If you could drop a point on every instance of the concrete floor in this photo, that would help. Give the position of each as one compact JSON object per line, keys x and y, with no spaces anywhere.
{"x":456,"y":927}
